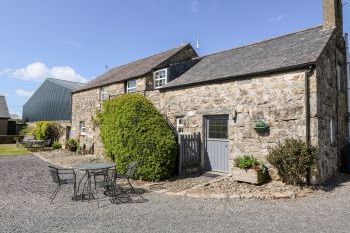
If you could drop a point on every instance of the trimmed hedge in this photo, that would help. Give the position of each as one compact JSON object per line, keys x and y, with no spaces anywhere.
{"x":132,"y":129}
{"x":293,"y":158}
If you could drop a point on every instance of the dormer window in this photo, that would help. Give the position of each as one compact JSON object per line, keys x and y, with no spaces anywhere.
{"x":104,"y":94}
{"x":131,"y":86}
{"x":160,"y":78}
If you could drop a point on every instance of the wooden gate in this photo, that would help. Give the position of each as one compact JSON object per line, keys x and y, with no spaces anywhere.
{"x":190,"y":151}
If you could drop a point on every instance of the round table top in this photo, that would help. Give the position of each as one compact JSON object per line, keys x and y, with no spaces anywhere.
{"x":94,"y":166}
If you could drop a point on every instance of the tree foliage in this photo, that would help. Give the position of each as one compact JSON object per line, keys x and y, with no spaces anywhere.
{"x":45,"y":130}
{"x":132,"y":129}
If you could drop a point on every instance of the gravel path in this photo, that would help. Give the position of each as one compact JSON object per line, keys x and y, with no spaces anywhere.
{"x":24,"y":207}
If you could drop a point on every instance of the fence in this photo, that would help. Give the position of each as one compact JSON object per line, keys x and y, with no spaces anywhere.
{"x":190,"y":151}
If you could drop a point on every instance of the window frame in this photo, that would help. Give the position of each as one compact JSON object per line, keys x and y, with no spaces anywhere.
{"x":130,"y":88}
{"x":332,"y":131}
{"x":103,"y":94}
{"x":209,"y":132}
{"x":155,"y":78}
{"x":82,"y":127}
{"x":339,"y":74}
{"x":180,"y":126}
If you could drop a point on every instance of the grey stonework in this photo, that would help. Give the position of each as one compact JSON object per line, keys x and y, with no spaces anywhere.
{"x":278,"y":98}
{"x":332,"y":104}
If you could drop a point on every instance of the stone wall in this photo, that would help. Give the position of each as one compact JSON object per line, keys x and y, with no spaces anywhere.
{"x":332,"y":104}
{"x":279,"y":99}
{"x":86,"y":104}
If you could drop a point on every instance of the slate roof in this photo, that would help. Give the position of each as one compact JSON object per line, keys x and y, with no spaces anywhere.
{"x":292,"y":50}
{"x":67,"y":84}
{"x":4,"y":111}
{"x":133,"y":69}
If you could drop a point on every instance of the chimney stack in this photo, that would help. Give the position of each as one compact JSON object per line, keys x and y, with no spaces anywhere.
{"x":333,"y":14}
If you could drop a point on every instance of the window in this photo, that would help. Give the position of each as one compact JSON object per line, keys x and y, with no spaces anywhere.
{"x":180,"y":124}
{"x":131,"y":86}
{"x":160,"y":78}
{"x":82,"y":127}
{"x":339,"y":77}
{"x":332,"y":131}
{"x":104,"y":94}
{"x":217,"y":128}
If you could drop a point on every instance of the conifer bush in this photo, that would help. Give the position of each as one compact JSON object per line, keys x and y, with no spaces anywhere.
{"x":132,"y":129}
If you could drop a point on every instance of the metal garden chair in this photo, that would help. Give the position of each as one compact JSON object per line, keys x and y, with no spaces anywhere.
{"x":129,"y":174}
{"x":62,"y":176}
{"x":106,"y":179}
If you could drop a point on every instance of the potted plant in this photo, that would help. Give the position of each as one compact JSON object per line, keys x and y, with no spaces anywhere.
{"x":249,"y":170}
{"x":260,"y":126}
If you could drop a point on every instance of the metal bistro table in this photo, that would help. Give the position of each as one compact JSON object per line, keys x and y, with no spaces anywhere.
{"x":89,"y":168}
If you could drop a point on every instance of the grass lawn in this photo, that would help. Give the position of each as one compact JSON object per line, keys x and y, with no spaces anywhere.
{"x":12,"y":149}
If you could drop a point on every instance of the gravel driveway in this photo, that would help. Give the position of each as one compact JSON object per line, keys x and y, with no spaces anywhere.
{"x":24,"y":207}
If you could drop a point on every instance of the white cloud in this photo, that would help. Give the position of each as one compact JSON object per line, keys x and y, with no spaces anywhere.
{"x":38,"y":71}
{"x":277,"y":19}
{"x":4,"y":71}
{"x":195,"y":7}
{"x":24,"y":93}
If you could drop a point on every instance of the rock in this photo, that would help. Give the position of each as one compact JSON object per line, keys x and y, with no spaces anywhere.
{"x":183,"y":193}
{"x":247,"y":195}
{"x":284,"y":195}
{"x":235,"y":196}
{"x":273,"y":173}
{"x":218,"y":196}
{"x":197,"y":195}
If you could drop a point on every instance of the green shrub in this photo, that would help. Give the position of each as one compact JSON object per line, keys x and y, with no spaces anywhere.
{"x":132,"y":129}
{"x":56,"y":145}
{"x":27,"y":130}
{"x":246,"y":162}
{"x":72,"y":145}
{"x":293,"y":159}
{"x":45,"y":130}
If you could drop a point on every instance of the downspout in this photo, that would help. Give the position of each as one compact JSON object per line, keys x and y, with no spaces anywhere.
{"x":307,"y":117}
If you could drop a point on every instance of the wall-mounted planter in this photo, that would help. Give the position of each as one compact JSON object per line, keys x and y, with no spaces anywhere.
{"x":260,"y":126}
{"x":252,"y":176}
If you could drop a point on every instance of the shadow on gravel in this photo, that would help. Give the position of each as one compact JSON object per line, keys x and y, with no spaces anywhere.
{"x":335,"y":183}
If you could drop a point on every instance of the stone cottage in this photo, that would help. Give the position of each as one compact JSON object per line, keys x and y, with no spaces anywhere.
{"x":296,"y":83}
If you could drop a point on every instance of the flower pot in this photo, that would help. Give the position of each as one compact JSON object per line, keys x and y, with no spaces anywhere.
{"x":253,"y":176}
{"x":261,"y":129}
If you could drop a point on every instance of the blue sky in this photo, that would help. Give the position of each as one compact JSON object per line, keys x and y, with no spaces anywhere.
{"x":76,"y":39}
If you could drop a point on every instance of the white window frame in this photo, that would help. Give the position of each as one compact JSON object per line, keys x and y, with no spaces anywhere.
{"x":104,"y":94}
{"x":155,"y":78}
{"x":332,"y":127}
{"x":339,"y":76}
{"x":82,"y":127}
{"x":180,"y":126}
{"x":130,"y":89}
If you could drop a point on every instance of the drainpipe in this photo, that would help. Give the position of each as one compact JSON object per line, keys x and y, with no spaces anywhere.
{"x":347,"y":68}
{"x":307,"y":116}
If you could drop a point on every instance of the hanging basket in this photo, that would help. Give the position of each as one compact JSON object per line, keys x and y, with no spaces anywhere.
{"x":261,"y":126}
